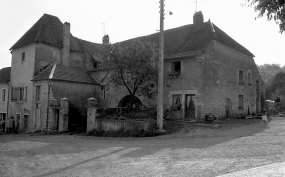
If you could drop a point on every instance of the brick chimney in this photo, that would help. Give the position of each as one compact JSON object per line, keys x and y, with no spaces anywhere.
{"x":105,"y":39}
{"x":198,"y":21}
{"x":66,"y":44}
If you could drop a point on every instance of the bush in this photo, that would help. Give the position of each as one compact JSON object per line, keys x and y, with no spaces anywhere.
{"x":122,"y":133}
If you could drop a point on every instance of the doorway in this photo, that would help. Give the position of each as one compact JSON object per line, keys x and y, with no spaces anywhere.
{"x":189,"y":106}
{"x":55,"y":118}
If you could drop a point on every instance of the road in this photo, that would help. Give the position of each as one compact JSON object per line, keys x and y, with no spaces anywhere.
{"x":222,"y":152}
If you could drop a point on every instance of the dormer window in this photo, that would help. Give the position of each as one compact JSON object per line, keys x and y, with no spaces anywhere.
{"x":96,"y":65}
{"x":23,"y":56}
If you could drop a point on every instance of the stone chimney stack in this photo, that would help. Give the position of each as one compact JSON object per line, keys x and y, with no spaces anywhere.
{"x":66,"y":44}
{"x":198,"y":21}
{"x":105,"y":39}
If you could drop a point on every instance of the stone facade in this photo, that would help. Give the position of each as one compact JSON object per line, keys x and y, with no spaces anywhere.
{"x":213,"y":80}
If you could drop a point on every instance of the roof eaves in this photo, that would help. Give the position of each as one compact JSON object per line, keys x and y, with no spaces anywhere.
{"x":184,"y":54}
{"x":94,"y":83}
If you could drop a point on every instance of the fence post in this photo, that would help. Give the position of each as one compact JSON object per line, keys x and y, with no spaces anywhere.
{"x":63,"y":116}
{"x":91,"y":113}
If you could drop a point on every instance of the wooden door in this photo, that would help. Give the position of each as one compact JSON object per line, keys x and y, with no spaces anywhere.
{"x":189,"y":106}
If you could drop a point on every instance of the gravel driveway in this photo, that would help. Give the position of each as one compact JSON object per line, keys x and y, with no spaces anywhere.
{"x":211,"y":152}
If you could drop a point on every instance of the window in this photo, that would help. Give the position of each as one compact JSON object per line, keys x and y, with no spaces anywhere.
{"x":14,"y":96}
{"x":23,"y":56}
{"x":240,"y":101}
{"x":176,"y":100}
{"x":249,"y":78}
{"x":38,"y":92}
{"x":175,"y":69}
{"x":3,"y":96}
{"x":240,"y":77}
{"x":19,"y":94}
{"x":177,"y":66}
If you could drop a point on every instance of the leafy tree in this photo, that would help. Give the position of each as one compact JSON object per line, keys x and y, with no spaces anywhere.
{"x":273,"y":9}
{"x":132,"y":65}
{"x":268,"y":71}
{"x":278,"y":82}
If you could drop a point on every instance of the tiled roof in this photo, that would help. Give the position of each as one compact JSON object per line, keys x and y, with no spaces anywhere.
{"x":65,"y":73}
{"x":185,"y":38}
{"x":48,"y":29}
{"x":94,"y":49}
{"x":5,"y":74}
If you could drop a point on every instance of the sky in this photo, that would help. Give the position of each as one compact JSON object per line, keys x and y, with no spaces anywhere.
{"x":126,"y":19}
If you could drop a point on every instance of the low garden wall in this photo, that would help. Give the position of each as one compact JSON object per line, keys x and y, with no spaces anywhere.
{"x":113,"y":124}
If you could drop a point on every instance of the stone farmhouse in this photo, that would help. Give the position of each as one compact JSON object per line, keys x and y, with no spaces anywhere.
{"x":53,"y":74}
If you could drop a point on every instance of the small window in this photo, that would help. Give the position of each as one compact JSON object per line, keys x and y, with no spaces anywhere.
{"x":96,"y":65}
{"x":249,"y":78}
{"x":175,"y":69}
{"x":177,"y":66}
{"x":103,"y":91}
{"x":240,"y":77}
{"x":23,"y":56}
{"x":38,"y":92}
{"x":3,"y":96}
{"x":240,"y":101}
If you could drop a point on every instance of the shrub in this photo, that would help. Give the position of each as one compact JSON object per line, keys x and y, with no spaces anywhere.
{"x":122,"y":133}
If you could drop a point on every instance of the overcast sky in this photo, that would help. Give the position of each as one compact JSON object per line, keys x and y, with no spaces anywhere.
{"x":126,"y":19}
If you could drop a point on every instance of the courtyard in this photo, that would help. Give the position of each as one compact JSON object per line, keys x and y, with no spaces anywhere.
{"x":205,"y":150}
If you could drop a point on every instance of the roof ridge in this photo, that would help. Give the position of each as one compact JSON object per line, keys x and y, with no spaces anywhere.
{"x":40,"y":28}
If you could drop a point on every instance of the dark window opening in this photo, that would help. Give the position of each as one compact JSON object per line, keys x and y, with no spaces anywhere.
{"x":240,"y":75}
{"x":177,"y":66}
{"x":23,"y":56}
{"x":3,"y":95}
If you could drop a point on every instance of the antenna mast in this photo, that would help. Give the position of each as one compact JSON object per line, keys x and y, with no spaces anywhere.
{"x":104,"y":28}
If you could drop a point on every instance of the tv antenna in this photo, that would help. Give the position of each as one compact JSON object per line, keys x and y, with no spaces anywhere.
{"x":104,"y":27}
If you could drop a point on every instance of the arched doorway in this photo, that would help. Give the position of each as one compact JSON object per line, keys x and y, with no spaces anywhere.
{"x":126,"y":100}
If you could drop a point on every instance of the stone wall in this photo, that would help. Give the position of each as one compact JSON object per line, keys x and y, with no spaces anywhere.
{"x":221,"y":80}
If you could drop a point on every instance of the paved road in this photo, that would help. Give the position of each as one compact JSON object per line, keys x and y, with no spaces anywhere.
{"x":252,"y":150}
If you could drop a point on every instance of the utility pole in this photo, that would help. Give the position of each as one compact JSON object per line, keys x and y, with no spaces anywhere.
{"x":160,"y":71}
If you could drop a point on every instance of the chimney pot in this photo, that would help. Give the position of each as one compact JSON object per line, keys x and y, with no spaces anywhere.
{"x":105,"y":39}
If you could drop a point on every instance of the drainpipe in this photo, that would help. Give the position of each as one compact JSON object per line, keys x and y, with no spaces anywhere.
{"x":48,"y":106}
